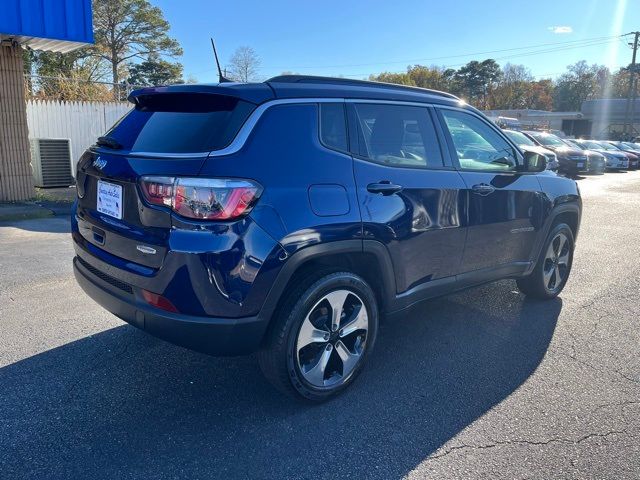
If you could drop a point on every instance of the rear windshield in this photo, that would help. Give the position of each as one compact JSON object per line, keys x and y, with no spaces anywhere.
{"x":589,"y":144}
{"x":607,"y":146}
{"x":181,"y":123}
{"x":519,"y":138}
{"x":548,"y":139}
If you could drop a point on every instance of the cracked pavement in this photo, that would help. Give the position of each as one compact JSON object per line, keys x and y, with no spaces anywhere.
{"x":481,"y":384}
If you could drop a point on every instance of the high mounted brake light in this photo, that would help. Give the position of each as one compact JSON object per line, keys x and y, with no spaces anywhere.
{"x":202,"y":198}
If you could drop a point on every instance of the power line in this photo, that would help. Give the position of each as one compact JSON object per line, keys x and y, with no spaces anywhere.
{"x":585,"y":42}
{"x":518,"y":55}
{"x":528,"y":54}
{"x":625,"y":43}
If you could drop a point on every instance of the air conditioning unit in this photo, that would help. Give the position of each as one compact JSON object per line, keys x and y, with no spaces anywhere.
{"x":51,"y":162}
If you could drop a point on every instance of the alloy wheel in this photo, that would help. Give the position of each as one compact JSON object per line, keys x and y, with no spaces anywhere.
{"x":556,"y":262}
{"x":332,"y":339}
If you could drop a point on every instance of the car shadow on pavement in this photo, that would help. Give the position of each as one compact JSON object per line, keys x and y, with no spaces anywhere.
{"x":123,"y":404}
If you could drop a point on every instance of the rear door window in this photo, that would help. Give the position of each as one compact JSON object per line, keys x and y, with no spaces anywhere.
{"x":181,"y":123}
{"x":333,"y":126}
{"x":397,"y":135}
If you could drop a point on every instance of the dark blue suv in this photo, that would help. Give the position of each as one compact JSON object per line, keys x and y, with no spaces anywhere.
{"x":287,"y":217}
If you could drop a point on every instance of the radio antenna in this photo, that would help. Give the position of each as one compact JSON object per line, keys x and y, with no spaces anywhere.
{"x":221,"y":78}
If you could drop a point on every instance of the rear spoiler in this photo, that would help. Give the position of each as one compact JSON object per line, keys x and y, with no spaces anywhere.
{"x":255,"y":93}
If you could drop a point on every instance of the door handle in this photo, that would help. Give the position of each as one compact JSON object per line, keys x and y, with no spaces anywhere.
{"x":384,"y":187}
{"x":483,"y":189}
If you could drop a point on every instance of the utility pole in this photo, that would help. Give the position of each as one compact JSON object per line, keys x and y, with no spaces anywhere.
{"x":633,"y":87}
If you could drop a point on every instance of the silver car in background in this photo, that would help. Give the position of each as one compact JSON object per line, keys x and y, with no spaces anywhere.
{"x":616,"y":160}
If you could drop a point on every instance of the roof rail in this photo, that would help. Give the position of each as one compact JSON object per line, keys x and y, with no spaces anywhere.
{"x":349,"y":81}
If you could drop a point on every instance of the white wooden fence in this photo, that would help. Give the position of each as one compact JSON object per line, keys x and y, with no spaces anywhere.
{"x":82,"y":122}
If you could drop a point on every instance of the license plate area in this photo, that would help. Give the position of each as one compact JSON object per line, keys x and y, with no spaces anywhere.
{"x":109,"y":199}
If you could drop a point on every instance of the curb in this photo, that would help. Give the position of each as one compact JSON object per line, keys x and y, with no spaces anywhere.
{"x":33,"y":210}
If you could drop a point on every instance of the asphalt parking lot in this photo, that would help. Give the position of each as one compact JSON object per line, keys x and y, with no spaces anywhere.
{"x":481,"y":384}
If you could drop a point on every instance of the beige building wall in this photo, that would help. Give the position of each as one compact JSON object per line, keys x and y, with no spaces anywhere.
{"x":16,"y":180}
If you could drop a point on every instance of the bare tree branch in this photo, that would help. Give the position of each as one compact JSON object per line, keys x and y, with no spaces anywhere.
{"x":245,"y":64}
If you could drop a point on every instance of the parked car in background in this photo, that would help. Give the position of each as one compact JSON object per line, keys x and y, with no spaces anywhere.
{"x":572,"y":161}
{"x":528,"y":145}
{"x":506,"y":122}
{"x":261,"y":228}
{"x":557,"y":133}
{"x":631,"y":148}
{"x":625,"y":146}
{"x":634,"y":158}
{"x":616,"y":159}
{"x":597,"y":161}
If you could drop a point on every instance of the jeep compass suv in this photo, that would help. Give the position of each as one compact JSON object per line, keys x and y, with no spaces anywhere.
{"x":287,"y":217}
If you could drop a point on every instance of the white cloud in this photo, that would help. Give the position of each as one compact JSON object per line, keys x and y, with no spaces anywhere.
{"x":560,"y":29}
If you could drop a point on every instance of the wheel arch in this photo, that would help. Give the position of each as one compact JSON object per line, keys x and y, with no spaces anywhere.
{"x":569,"y":216}
{"x":569,"y":213}
{"x":366,"y":258}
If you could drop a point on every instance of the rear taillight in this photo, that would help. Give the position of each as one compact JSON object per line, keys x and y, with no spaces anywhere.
{"x":158,"y":190}
{"x":202,"y":198}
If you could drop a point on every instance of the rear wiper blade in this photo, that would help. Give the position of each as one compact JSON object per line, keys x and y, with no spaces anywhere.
{"x":108,"y":142}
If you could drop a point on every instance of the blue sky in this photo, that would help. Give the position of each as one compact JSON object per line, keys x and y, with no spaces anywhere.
{"x":355,"y":38}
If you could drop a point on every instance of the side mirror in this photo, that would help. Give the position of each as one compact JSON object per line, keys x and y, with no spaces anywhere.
{"x":534,"y":162}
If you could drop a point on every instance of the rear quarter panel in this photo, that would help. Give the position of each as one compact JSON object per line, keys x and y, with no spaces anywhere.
{"x":284,"y":154}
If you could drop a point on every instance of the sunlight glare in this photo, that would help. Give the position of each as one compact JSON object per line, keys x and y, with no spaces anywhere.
{"x":611,"y":57}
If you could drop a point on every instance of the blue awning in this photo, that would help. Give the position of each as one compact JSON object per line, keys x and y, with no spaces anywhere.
{"x":49,"y":25}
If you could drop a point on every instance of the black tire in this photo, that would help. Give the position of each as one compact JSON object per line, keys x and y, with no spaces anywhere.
{"x":280,"y":361}
{"x":534,"y":284}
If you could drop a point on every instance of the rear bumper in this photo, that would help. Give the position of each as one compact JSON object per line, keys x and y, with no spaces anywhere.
{"x":597,"y":167}
{"x":224,"y":271}
{"x":570,"y":167}
{"x":215,"y":336}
